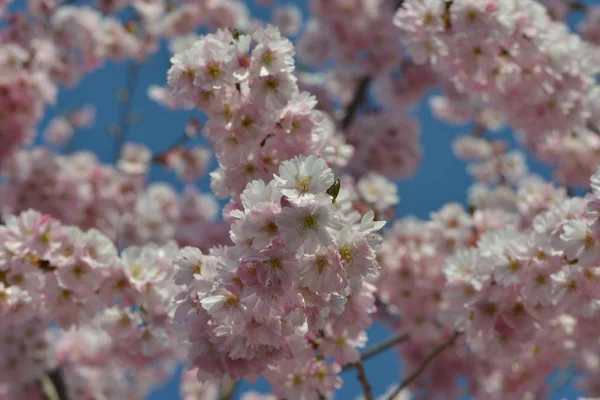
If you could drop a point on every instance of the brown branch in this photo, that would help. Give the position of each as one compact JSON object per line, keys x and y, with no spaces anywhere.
{"x":360,"y":95}
{"x":379,"y":348}
{"x":592,"y":127}
{"x":122,"y":130}
{"x":364,"y":381}
{"x":161,"y":157}
{"x":417,"y":372}
{"x":578,"y":6}
{"x":561,"y":380}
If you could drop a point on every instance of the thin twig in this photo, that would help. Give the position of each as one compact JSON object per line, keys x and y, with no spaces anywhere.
{"x":161,"y":157}
{"x":560,"y":381}
{"x":382,"y":346}
{"x":133,"y":73}
{"x":415,"y":374}
{"x":364,"y":381}
{"x":592,"y":127}
{"x":379,"y":348}
{"x":360,"y":95}
{"x":578,"y":6}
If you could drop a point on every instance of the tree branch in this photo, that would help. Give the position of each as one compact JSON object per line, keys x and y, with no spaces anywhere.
{"x":364,"y":381}
{"x":430,"y":357}
{"x":379,"y":348}
{"x":578,"y":6}
{"x":360,"y":95}
{"x":122,"y":130}
{"x":561,"y":380}
{"x":590,"y":125}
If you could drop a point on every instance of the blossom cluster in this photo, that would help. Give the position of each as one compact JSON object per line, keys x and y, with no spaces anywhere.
{"x":499,"y":51}
{"x":298,"y":274}
{"x":517,"y":274}
{"x":61,"y":129}
{"x":63,"y":42}
{"x":386,"y":143}
{"x":257,"y":116}
{"x":109,"y":281}
{"x":78,"y":190}
{"x":47,"y":273}
{"x":358,"y":34}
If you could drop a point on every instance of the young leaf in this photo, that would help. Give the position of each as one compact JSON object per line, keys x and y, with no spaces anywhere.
{"x":334,"y":190}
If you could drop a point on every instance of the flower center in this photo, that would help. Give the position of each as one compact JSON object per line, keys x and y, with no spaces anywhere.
{"x":303,"y":183}
{"x":310,"y":222}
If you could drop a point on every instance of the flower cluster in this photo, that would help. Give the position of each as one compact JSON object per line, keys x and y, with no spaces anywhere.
{"x":299,"y":268}
{"x":64,"y":42}
{"x":47,"y":273}
{"x":358,"y":34}
{"x":386,"y":143}
{"x":109,"y":281}
{"x":78,"y":190}
{"x":25,"y":89}
{"x":74,"y":188}
{"x":499,"y":51}
{"x":518,"y":275}
{"x":61,"y":129}
{"x":257,"y":116}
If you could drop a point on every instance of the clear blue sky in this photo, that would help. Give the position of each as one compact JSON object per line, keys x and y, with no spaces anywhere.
{"x":441,"y":178}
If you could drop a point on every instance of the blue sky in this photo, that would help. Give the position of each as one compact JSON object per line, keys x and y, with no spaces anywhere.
{"x":441,"y":178}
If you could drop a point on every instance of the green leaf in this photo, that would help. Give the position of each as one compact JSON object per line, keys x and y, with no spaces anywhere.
{"x":334,"y":190}
{"x":235,"y":33}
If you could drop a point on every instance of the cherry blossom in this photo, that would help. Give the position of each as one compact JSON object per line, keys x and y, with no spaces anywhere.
{"x":111,"y":280}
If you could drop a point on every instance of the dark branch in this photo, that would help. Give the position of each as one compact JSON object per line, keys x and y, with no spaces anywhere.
{"x":133,"y":72}
{"x":561,"y":380}
{"x":417,"y":372}
{"x":592,"y":127}
{"x":379,"y":348}
{"x":578,"y":6}
{"x":386,"y":344}
{"x":364,"y":381}
{"x":360,"y":95}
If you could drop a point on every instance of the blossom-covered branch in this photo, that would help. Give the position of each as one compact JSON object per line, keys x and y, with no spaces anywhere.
{"x":110,"y":279}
